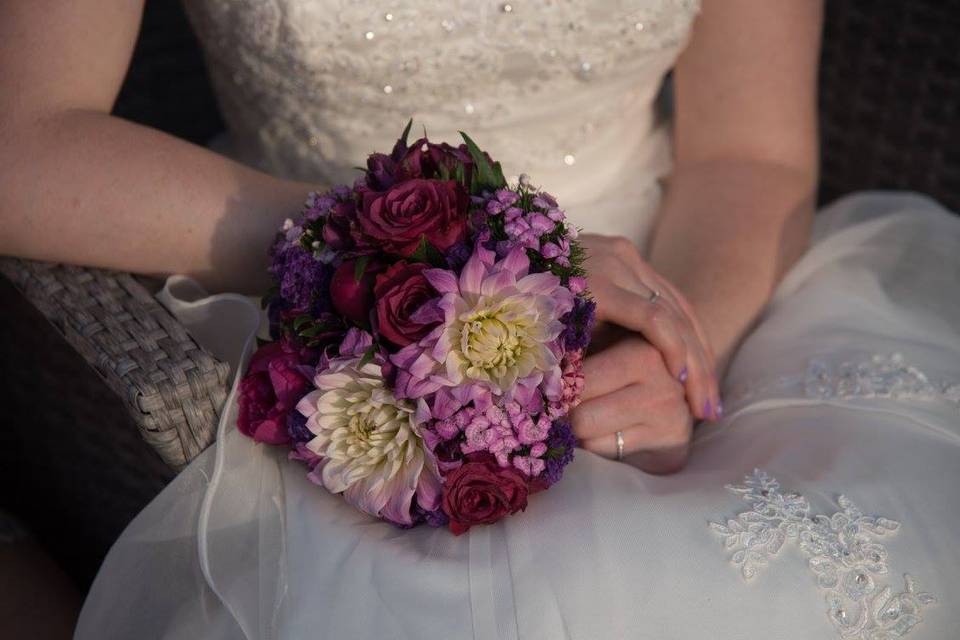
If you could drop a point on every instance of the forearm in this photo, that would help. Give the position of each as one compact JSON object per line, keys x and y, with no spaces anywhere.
{"x":83,"y":187}
{"x":726,"y":234}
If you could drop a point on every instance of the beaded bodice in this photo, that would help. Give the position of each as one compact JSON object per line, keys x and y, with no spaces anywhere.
{"x":562,"y":90}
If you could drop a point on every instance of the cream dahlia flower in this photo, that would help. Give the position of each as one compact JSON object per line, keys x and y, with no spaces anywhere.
{"x":372,"y":449}
{"x":499,"y":327}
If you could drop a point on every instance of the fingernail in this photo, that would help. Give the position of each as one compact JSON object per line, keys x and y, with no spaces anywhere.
{"x":719,"y":409}
{"x":683,"y":374}
{"x":706,"y":409}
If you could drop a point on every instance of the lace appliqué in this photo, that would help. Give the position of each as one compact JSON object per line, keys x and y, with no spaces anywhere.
{"x":843,"y":553}
{"x":883,"y":376}
{"x":879,"y":376}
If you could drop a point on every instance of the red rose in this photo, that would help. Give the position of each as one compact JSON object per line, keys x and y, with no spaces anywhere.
{"x":270,"y":391}
{"x":398,"y":218}
{"x":482,"y":492}
{"x":353,"y":298}
{"x":400,"y":292}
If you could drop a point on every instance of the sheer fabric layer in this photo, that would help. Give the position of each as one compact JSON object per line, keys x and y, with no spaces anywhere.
{"x":243,"y":544}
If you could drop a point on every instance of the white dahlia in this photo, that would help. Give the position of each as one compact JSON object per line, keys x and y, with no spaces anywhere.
{"x":372,"y":449}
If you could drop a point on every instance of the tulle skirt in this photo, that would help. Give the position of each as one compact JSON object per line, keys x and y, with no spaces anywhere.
{"x":850,"y":385}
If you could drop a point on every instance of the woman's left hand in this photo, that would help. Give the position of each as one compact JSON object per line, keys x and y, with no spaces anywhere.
{"x":629,"y":389}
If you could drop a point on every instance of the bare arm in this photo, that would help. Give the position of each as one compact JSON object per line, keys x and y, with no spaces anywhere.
{"x":78,"y":185}
{"x":741,"y":197}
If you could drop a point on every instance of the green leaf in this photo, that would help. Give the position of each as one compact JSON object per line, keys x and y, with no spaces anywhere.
{"x":367,"y":356}
{"x":427,"y":253}
{"x":312,"y":331}
{"x":486,"y":176}
{"x":554,"y":452}
{"x":406,"y":132}
{"x":498,"y":175}
{"x":359,"y":267}
{"x":299,"y":321}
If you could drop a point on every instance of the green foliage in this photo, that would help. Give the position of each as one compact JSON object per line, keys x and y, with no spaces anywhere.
{"x":486,"y":176}
{"x":368,"y":355}
{"x":428,"y":253}
{"x":359,"y":267}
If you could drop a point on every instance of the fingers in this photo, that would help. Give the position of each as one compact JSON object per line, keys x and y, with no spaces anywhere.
{"x":658,"y":324}
{"x":699,"y":374}
{"x":622,"y":285}
{"x":653,"y":449}
{"x":629,"y":360}
{"x":614,"y":411}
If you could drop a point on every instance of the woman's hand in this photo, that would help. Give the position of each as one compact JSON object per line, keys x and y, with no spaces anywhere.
{"x":623,"y":285}
{"x":628,"y":388}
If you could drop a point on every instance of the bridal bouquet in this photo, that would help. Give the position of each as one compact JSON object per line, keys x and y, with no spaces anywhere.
{"x":429,"y":325}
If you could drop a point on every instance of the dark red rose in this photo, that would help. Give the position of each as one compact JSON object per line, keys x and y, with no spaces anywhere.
{"x":352,"y":297}
{"x":400,"y":292}
{"x":274,"y":383}
{"x":398,"y":218}
{"x":482,"y":492}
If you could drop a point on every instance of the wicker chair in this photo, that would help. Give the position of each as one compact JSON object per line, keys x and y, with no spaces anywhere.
{"x":889,"y":103}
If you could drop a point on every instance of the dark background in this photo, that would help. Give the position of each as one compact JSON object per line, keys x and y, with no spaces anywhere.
{"x":72,"y":466}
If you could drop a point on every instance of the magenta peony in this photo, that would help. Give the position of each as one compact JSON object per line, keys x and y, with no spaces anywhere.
{"x":274,"y":383}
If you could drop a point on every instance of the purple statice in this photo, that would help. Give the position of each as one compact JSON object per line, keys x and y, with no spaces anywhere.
{"x":578,"y":324}
{"x":561,"y":443}
{"x":457,"y":255}
{"x":435,"y":518}
{"x":303,"y":281}
{"x":297,"y":428}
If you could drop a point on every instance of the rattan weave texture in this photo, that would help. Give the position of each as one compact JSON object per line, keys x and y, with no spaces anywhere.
{"x":173,"y":389}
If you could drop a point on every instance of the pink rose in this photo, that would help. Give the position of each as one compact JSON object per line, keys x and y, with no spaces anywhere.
{"x":400,"y":217}
{"x":400,"y":292}
{"x":352,"y":297}
{"x":274,"y":383}
{"x":482,"y":492}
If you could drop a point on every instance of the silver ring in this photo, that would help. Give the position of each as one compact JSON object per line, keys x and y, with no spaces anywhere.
{"x":654,"y":296}
{"x":619,"y":445}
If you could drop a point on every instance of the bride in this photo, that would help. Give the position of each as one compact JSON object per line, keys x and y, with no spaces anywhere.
{"x":818,"y":498}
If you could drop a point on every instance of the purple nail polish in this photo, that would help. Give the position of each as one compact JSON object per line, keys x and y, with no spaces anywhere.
{"x":683,"y":374}
{"x":706,"y":409}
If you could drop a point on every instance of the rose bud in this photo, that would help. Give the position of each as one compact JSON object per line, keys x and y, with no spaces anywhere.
{"x":353,"y":298}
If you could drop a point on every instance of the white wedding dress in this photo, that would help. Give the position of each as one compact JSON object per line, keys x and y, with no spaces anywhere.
{"x":850,"y":385}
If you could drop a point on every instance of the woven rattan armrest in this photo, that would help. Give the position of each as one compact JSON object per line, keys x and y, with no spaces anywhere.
{"x":173,"y":389}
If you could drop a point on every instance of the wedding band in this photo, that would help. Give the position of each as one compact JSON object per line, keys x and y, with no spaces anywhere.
{"x":619,"y":445}
{"x":654,"y":296}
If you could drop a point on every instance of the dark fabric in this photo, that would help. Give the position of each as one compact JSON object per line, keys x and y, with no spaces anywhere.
{"x":890,"y":98}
